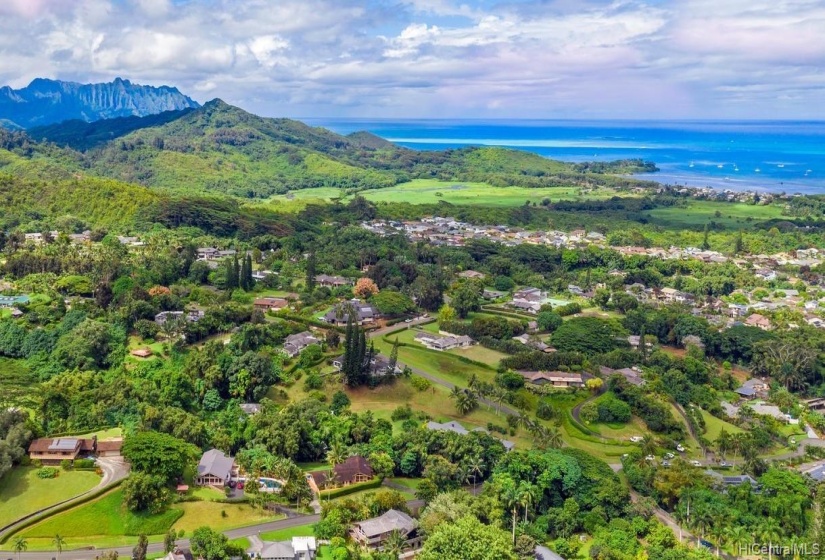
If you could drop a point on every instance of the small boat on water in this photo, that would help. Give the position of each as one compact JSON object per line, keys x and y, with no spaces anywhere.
{"x":781,"y":165}
{"x":720,"y":166}
{"x":758,"y":170}
{"x":691,"y":164}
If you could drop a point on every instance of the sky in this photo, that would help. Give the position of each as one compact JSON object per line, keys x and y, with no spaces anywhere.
{"x":482,"y":59}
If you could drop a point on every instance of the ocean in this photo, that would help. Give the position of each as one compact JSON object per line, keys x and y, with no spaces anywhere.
{"x":774,"y":156}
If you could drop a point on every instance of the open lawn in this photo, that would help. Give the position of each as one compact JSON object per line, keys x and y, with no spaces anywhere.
{"x":481,"y":354}
{"x":22,"y":493}
{"x":106,"y":520}
{"x":197,"y":514}
{"x":700,"y":212}
{"x":620,"y":431}
{"x":104,"y":434}
{"x":431,"y":191}
{"x":103,"y":517}
{"x":714,"y":426}
{"x":444,"y":365}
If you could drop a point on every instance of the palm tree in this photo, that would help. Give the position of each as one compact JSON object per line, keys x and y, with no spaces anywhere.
{"x":720,"y":534}
{"x":499,"y":395}
{"x":476,"y":466}
{"x":511,"y":498}
{"x":336,"y":454}
{"x":723,"y":442}
{"x":19,"y":545}
{"x":771,"y":532}
{"x":739,"y":536}
{"x":394,"y":544}
{"x":526,"y":496}
{"x":648,"y":445}
{"x":554,"y":437}
{"x":59,"y":542}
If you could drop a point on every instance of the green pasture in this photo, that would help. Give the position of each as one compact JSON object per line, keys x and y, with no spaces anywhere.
{"x":22,"y":492}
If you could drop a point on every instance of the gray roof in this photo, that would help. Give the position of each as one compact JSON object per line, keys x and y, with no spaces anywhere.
{"x":392,"y":520}
{"x":215,"y":463}
{"x":277,"y":549}
{"x":544,"y":553}
{"x":817,"y":473}
{"x":448,"y":427}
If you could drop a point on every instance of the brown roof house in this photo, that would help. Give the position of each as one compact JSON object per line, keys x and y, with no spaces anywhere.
{"x":554,"y":378}
{"x":51,"y":451}
{"x":145,"y":352}
{"x":352,"y":471}
{"x":109,"y":447}
{"x":759,"y":321}
{"x":373,"y":533}
{"x":270,"y":303}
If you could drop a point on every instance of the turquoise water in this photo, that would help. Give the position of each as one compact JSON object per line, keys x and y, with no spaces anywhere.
{"x":761,"y":155}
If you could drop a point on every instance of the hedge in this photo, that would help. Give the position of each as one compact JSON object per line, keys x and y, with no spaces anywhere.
{"x":351,"y":489}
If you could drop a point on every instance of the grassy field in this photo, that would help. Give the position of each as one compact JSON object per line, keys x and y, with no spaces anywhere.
{"x":21,"y":492}
{"x":431,"y":191}
{"x":715,"y":426}
{"x":106,"y":521}
{"x":700,"y":212}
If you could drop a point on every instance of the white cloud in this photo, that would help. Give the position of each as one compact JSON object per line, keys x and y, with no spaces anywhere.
{"x":679,"y":58}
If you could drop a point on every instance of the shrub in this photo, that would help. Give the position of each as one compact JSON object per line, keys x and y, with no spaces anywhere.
{"x":569,"y":309}
{"x":66,"y":464}
{"x":84,"y":463}
{"x":420,"y":383}
{"x":48,"y":472}
{"x":313,"y":382}
{"x":402,"y":413}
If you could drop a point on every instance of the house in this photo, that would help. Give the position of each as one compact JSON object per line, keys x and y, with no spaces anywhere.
{"x":190,"y":316}
{"x":758,"y":321}
{"x":179,"y":554}
{"x":554,"y":378}
{"x":332,"y":281}
{"x":361,"y":312}
{"x":534,"y":342}
{"x":371,"y":533}
{"x":299,"y":548}
{"x":472,"y":274}
{"x":524,"y":305}
{"x":544,"y":553}
{"x":250,"y":409}
{"x":816,"y":473}
{"x":529,"y":294}
{"x":734,"y":480}
{"x":270,"y":303}
{"x":207,"y":253}
{"x":492,"y":294}
{"x":379,"y":366}
{"x":575,"y":290}
{"x":145,"y":352}
{"x":295,"y":343}
{"x":214,"y":469}
{"x":109,"y":447}
{"x":441,"y":342}
{"x":457,"y":428}
{"x":10,"y":301}
{"x":51,"y":451}
{"x":753,"y":388}
{"x":352,"y":471}
{"x":631,"y":375}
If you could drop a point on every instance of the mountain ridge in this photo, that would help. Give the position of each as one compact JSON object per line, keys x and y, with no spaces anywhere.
{"x":44,"y":101}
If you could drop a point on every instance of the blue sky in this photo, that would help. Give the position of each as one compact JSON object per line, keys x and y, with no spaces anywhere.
{"x":675,"y":59}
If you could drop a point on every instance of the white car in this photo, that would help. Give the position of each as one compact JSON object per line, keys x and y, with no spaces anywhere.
{"x":696,"y":463}
{"x":636,"y":439}
{"x":408,"y":320}
{"x":669,"y":455}
{"x":650,"y":458}
{"x":680,"y":448}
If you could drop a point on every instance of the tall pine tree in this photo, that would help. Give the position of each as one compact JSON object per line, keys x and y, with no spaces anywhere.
{"x":310,"y":279}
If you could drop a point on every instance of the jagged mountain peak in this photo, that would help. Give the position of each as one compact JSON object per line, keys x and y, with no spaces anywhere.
{"x":45,"y":101}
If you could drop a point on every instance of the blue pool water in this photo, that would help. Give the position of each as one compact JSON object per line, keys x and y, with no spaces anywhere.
{"x":761,"y":155}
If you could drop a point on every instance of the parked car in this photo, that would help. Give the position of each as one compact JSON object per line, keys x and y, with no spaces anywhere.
{"x":665,"y":463}
{"x":696,"y":463}
{"x":669,"y":455}
{"x":680,"y":448}
{"x":650,"y":458}
{"x":636,"y":439}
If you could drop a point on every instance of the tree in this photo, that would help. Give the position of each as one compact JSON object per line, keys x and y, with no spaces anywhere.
{"x":392,"y":304}
{"x":19,"y":545}
{"x":159,"y":454}
{"x":394,"y":544}
{"x":549,"y":321}
{"x":211,"y":545}
{"x":145,"y":492}
{"x":466,"y":297}
{"x":382,"y":464}
{"x":467,"y":539}
{"x":337,"y":454}
{"x":311,"y":272}
{"x":446,"y":314}
{"x":169,"y":541}
{"x":139,"y":551}
{"x":59,"y":542}
{"x":393,"y":355}
{"x":365,"y":287}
